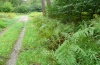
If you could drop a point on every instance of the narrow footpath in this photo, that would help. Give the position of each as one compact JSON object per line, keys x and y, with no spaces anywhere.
{"x":15,"y":52}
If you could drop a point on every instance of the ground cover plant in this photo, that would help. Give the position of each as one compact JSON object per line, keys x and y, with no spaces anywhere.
{"x":82,"y":48}
{"x":7,"y":19}
{"x":59,"y":44}
{"x":8,"y":40}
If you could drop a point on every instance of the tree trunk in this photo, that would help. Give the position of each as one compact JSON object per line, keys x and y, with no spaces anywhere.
{"x":43,"y":7}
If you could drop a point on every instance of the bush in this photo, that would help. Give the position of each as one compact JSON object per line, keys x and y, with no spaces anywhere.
{"x":35,"y":8}
{"x":7,"y":7}
{"x":2,"y":24}
{"x":11,"y":15}
{"x":22,"y":9}
{"x":51,"y":31}
{"x":7,"y":15}
{"x":34,"y":14}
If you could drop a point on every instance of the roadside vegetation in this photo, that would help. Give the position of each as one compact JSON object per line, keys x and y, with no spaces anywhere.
{"x":8,"y":40}
{"x":7,"y":19}
{"x":33,"y":50}
{"x":48,"y":41}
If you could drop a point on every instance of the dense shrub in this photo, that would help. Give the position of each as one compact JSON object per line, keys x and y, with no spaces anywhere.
{"x":6,"y":7}
{"x":71,"y":48}
{"x":20,"y":6}
{"x":35,"y":8}
{"x":68,"y":11}
{"x":35,"y":14}
{"x":2,"y":24}
{"x":51,"y":31}
{"x":22,"y":9}
{"x":7,"y":15}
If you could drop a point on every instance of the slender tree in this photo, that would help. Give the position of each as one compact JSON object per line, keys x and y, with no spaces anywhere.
{"x":43,"y":7}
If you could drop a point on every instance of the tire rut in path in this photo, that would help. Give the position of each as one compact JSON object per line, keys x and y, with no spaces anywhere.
{"x":16,"y":50}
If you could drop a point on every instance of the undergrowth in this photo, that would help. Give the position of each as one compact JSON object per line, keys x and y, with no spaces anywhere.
{"x":7,"y":19}
{"x":8,"y":40}
{"x":50,"y":42}
{"x":7,"y":15}
{"x":83,"y":48}
{"x":33,"y":52}
{"x":42,"y":38}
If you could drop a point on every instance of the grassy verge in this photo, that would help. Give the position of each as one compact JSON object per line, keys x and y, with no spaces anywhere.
{"x":7,"y":19}
{"x":8,"y":40}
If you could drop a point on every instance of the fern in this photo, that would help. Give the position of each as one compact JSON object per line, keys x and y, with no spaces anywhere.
{"x":81,"y":48}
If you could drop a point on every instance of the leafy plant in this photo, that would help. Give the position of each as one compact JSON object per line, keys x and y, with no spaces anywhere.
{"x":2,"y":24}
{"x":69,"y":11}
{"x":80,"y":49}
{"x":22,"y":9}
{"x":6,"y":7}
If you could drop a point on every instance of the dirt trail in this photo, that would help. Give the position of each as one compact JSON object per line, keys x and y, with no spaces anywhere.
{"x":14,"y":54}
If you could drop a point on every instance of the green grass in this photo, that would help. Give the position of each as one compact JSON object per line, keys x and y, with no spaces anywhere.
{"x":8,"y":40}
{"x":7,"y":15}
{"x":7,"y":22}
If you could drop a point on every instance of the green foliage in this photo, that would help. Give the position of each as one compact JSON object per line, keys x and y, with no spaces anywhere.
{"x":54,"y":33}
{"x":33,"y":51}
{"x":20,"y":6}
{"x":7,"y":15}
{"x":68,"y":11}
{"x":48,"y":41}
{"x":35,"y":6}
{"x":34,"y":14}
{"x":82,"y":48}
{"x":6,"y":7}
{"x":2,"y":24}
{"x":43,"y":36}
{"x":7,"y":19}
{"x":22,"y":9}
